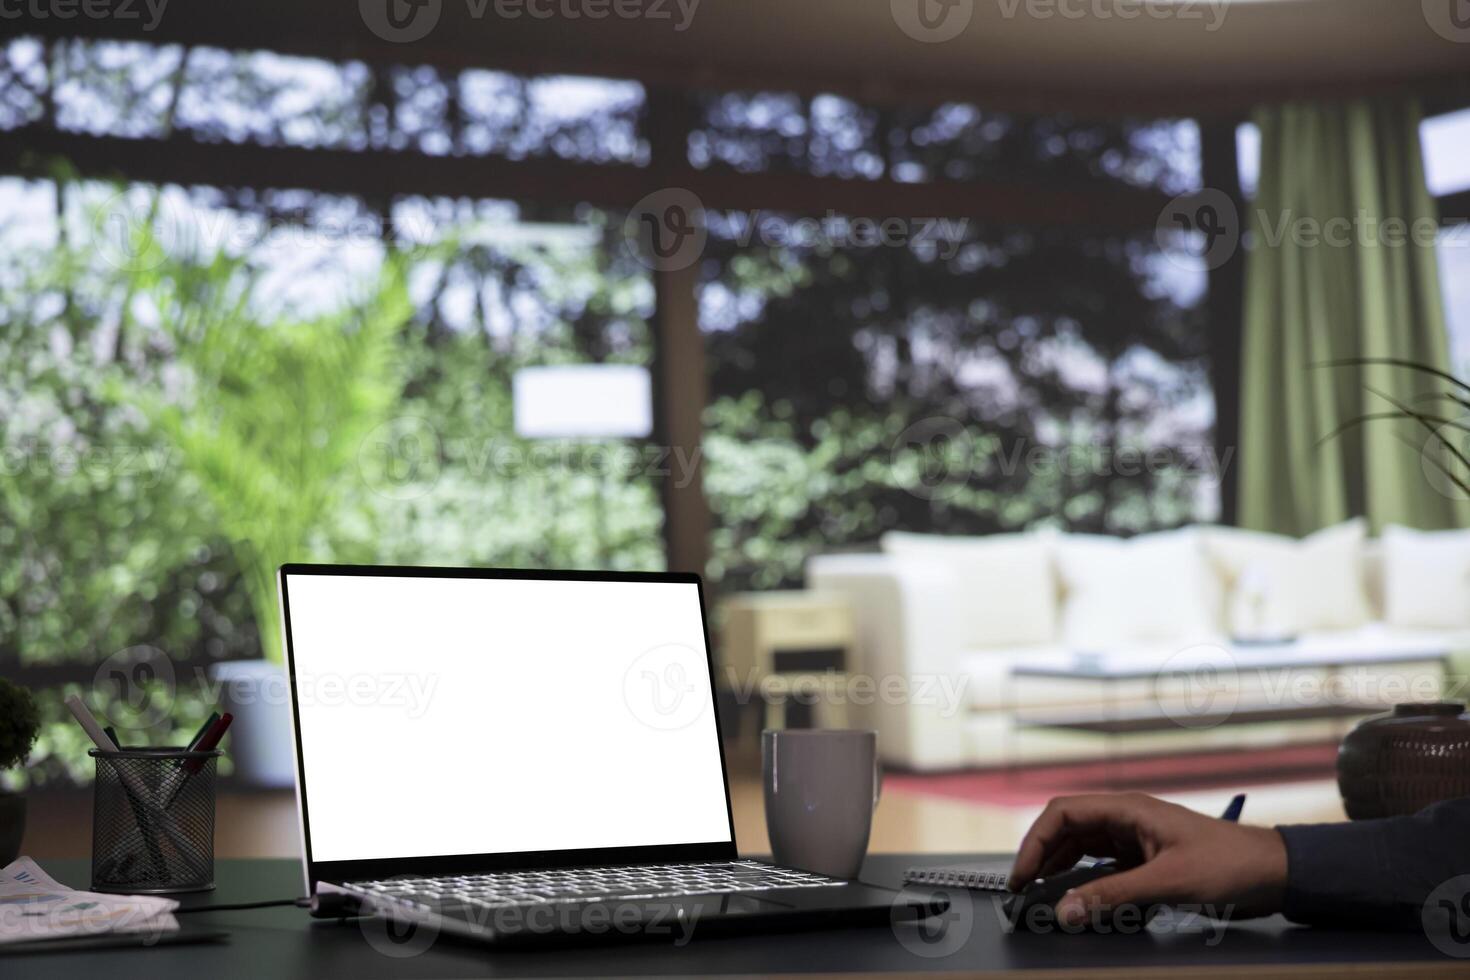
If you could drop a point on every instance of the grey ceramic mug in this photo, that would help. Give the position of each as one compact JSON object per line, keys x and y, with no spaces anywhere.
{"x":821,"y":790}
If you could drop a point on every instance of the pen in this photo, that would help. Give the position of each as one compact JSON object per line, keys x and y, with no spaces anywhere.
{"x":191,"y":746}
{"x":182,"y":768}
{"x":204,"y":743}
{"x":112,"y":734}
{"x":203,"y":730}
{"x":89,"y":724}
{"x":209,"y":740}
{"x":136,"y":792}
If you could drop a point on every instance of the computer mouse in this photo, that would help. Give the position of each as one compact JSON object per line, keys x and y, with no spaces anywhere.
{"x":1047,"y":892}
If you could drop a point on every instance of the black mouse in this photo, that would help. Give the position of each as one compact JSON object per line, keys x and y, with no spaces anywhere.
{"x":1047,"y":892}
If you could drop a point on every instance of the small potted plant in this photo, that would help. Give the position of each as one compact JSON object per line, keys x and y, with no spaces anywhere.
{"x":19,"y":722}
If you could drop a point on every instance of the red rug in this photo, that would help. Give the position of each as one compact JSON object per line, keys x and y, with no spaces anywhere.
{"x":1034,"y":785}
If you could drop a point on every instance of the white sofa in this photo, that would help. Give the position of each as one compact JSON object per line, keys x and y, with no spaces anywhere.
{"x":942,"y":623}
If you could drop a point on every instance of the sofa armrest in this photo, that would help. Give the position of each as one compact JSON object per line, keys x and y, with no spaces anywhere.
{"x":905,"y":679}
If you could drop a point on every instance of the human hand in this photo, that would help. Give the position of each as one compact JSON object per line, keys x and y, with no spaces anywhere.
{"x":1169,"y":855}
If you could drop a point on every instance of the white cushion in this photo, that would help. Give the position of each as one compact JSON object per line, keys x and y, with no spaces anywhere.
{"x":1373,"y":576}
{"x":1426,"y":578}
{"x":987,"y":674}
{"x":1155,"y":587}
{"x":1006,"y":582}
{"x":1281,"y":585}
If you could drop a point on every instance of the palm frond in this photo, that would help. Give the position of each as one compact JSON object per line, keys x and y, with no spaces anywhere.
{"x":1396,"y":362}
{"x":1449,"y":475}
{"x":1430,"y":396}
{"x":275,"y":410}
{"x":1427,"y":421}
{"x":1389,"y":417}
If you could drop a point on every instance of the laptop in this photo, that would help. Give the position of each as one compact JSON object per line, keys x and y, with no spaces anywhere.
{"x":527,"y":756}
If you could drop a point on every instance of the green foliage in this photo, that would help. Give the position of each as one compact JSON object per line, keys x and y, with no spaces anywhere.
{"x":19,"y":723}
{"x":479,"y":494}
{"x":274,"y":412}
{"x":223,"y":408}
{"x":105,"y":544}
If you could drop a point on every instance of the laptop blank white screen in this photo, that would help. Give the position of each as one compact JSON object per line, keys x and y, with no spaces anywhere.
{"x":471,"y":716}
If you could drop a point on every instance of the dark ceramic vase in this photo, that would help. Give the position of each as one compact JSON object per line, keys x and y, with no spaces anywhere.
{"x":1402,"y":761}
{"x":12,"y":826}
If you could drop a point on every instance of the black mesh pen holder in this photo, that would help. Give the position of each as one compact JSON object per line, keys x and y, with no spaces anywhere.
{"x":153,"y":821}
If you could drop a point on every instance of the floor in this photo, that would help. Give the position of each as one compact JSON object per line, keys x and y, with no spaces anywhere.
{"x":263,"y":824}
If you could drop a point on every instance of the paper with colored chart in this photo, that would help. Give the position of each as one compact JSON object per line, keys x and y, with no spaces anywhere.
{"x":34,"y":906}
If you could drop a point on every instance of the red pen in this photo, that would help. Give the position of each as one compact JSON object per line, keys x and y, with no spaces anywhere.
{"x":204,"y":743}
{"x":209,"y":741}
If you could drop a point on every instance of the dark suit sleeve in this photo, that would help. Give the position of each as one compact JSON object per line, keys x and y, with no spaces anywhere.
{"x":1374,"y":873}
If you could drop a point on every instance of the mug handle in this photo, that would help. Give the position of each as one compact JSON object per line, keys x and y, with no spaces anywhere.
{"x":877,"y":779}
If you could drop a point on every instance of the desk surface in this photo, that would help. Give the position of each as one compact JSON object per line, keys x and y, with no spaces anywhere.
{"x":283,"y":943}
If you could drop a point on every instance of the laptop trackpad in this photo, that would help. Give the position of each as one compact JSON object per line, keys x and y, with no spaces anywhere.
{"x":744,"y":903}
{"x":731,"y":905}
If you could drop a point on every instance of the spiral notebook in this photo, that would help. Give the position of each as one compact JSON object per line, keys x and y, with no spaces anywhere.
{"x":984,"y":876}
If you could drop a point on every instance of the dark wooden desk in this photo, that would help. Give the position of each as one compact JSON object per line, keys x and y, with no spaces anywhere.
{"x":283,"y":943}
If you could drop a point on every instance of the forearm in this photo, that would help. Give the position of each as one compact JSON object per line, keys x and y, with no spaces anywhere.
{"x":1374,"y":872}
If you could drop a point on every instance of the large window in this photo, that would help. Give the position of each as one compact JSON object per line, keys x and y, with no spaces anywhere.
{"x":285,"y":354}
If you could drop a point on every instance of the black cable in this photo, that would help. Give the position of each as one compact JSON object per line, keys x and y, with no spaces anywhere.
{"x":300,"y":903}
{"x":327,"y":905}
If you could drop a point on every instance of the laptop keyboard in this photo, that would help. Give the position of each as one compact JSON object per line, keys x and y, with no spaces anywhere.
{"x":627,"y":883}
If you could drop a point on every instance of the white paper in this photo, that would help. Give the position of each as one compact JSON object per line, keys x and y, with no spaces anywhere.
{"x":35,"y":906}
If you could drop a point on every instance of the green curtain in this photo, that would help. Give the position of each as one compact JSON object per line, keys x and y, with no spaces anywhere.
{"x":1362,"y":290}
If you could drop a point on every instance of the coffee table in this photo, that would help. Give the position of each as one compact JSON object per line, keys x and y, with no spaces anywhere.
{"x":1126,"y":694}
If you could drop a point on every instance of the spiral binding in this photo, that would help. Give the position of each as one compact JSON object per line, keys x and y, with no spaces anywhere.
{"x":989,"y":881}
